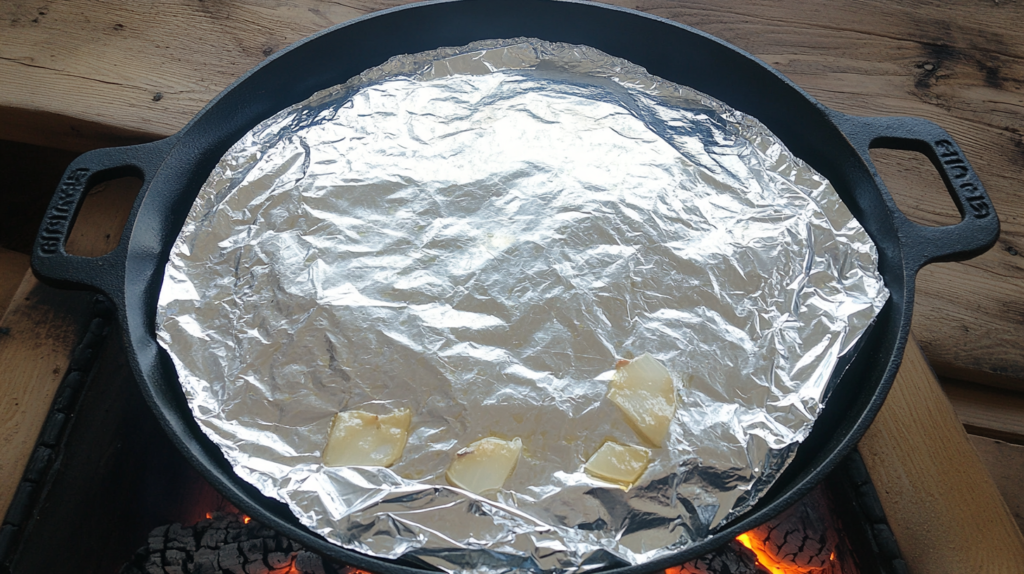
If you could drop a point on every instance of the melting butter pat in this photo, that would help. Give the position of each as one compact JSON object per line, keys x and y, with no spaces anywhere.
{"x":643,"y":390}
{"x":484,"y":465}
{"x":362,"y":439}
{"x":621,"y":464}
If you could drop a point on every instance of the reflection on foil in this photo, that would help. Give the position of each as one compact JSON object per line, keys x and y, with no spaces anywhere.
{"x":477,"y":234}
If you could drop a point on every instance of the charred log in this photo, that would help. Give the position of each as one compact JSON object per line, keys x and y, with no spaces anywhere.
{"x":799,"y":539}
{"x":223,"y":544}
{"x":733,"y":558}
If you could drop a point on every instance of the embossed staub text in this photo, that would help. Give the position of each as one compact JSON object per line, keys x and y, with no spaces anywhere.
{"x":59,"y":217}
{"x":961,"y":176}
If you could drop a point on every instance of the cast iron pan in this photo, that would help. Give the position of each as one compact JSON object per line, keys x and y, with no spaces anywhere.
{"x":835,"y":144}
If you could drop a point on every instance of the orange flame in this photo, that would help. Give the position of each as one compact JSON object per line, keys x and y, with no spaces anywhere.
{"x":768,"y":561}
{"x":245,"y":519}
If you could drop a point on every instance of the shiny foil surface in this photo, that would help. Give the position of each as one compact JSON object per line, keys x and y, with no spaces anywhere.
{"x":478,"y":234}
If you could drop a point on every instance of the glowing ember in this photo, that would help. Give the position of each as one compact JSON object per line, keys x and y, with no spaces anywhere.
{"x":245,"y":519}
{"x":768,"y":561}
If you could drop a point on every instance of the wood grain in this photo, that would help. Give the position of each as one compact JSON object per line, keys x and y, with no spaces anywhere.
{"x":99,"y":223}
{"x":1005,"y":464}
{"x":13,"y":266}
{"x":85,"y":73}
{"x":942,"y":505}
{"x":42,"y":325}
{"x":987,"y":411}
{"x":142,"y":69}
{"x":45,"y":324}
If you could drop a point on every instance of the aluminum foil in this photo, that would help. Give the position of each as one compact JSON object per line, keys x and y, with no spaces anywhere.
{"x":478,"y":234}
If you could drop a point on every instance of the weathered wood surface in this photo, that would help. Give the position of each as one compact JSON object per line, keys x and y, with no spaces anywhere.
{"x":42,"y":325}
{"x":79,"y":74}
{"x":1005,"y":464}
{"x":941,"y":503}
{"x":988,"y":411}
{"x":101,"y":219}
{"x":13,"y":266}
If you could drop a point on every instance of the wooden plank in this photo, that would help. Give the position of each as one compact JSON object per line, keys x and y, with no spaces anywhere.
{"x":142,"y":69}
{"x":49,"y":129}
{"x":1005,"y":464}
{"x":42,"y":325}
{"x":974,"y":319}
{"x":100,"y":221}
{"x":126,"y":72}
{"x":942,"y":505}
{"x":987,"y":411}
{"x":13,"y":266}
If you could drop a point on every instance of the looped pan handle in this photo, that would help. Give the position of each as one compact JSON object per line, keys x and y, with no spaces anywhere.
{"x":978,"y":228}
{"x":105,"y":273}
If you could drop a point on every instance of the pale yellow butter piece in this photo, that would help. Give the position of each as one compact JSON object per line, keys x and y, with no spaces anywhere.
{"x":621,"y":464}
{"x":359,"y":438}
{"x":485,"y":464}
{"x":643,"y":390}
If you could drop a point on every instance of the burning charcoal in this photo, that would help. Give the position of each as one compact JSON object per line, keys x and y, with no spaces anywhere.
{"x":798,"y":539}
{"x":733,"y":558}
{"x":256,"y":567}
{"x":156,"y":539}
{"x":252,"y":549}
{"x":221,"y":544}
{"x":309,"y":562}
{"x":205,"y":562}
{"x":230,"y":559}
{"x":278,"y":560}
{"x":174,"y":558}
{"x":213,"y":538}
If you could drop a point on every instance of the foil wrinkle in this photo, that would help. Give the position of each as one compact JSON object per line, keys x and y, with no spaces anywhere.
{"x":478,"y":234}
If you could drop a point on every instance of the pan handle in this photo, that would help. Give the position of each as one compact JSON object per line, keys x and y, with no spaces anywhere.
{"x":978,"y":228}
{"x":105,"y":273}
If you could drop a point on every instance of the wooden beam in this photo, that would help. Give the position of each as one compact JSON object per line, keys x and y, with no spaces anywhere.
{"x":41,"y":328}
{"x":1005,"y":464}
{"x":43,"y":325}
{"x":13,"y":266}
{"x":946,"y":513}
{"x":987,"y":411}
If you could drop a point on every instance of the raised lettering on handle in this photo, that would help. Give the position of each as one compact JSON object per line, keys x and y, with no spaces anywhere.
{"x":55,"y":225}
{"x":960,"y":174}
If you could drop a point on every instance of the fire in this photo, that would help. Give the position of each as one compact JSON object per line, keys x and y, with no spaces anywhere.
{"x":763,"y":558}
{"x":245,"y":519}
{"x":770,"y":563}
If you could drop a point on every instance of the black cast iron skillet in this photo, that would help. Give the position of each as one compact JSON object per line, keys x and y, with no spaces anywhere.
{"x":835,"y":144}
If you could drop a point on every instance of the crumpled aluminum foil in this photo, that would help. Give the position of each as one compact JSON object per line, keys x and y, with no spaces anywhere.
{"x":478,"y":234}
